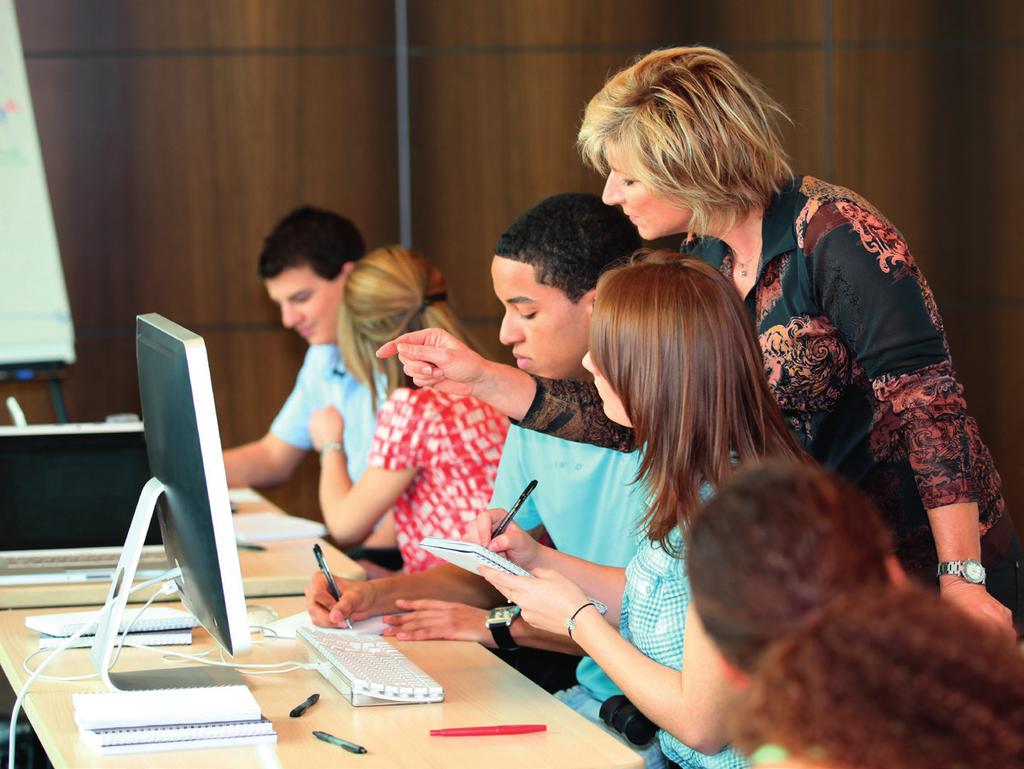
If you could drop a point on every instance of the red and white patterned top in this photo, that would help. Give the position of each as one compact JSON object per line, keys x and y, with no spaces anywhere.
{"x":455,"y":443}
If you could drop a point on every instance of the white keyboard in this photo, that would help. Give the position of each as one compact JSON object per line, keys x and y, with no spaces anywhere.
{"x":367,"y":669}
{"x":78,"y":558}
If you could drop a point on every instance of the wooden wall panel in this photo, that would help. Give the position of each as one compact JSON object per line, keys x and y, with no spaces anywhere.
{"x":793,"y":77}
{"x":498,"y":135}
{"x":636,"y":26}
{"x":194,"y":25}
{"x":926,"y":20}
{"x":167,"y":173}
{"x":893,"y":133}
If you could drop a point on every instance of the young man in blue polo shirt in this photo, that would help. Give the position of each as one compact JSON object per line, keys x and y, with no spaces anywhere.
{"x":544,"y":272}
{"x":303,"y":265}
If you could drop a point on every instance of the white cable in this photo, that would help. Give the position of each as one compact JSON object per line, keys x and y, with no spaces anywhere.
{"x":87,"y":625}
{"x":240,"y":666}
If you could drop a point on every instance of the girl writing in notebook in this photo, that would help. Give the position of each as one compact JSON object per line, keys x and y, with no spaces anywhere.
{"x":434,"y":456}
{"x":699,"y":406}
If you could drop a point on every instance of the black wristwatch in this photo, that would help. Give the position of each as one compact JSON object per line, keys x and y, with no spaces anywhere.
{"x":499,"y":622}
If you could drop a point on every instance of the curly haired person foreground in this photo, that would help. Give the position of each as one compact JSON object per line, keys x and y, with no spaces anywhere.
{"x":849,"y":664}
{"x":887,"y":677}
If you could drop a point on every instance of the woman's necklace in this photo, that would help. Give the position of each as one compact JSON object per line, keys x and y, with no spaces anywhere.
{"x":744,"y":264}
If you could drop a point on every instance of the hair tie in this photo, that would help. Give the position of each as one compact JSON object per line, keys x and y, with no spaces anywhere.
{"x":429,"y":299}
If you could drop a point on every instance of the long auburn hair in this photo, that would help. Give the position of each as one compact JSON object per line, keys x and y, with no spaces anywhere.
{"x":677,"y":346}
{"x":773,"y":548}
{"x":890,"y":677}
{"x":390,"y":291}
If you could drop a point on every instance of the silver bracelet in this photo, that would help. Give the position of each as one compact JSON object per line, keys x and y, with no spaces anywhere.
{"x":570,"y":624}
{"x":329,"y":448}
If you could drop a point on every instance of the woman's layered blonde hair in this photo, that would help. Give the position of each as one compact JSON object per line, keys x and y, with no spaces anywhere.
{"x":695,"y":129}
{"x":390,"y":291}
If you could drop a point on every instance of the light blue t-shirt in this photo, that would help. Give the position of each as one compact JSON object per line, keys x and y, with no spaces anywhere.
{"x":586,"y":500}
{"x":324,"y":381}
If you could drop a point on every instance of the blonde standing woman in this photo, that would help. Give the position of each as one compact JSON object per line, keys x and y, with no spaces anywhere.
{"x":434,"y":456}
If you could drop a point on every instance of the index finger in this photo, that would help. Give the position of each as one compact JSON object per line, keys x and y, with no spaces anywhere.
{"x":388,"y":349}
{"x":504,"y":582}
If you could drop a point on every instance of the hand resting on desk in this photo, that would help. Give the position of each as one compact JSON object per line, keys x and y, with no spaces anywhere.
{"x":427,"y":620}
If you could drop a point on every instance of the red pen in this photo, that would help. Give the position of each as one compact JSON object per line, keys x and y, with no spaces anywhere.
{"x":483,"y":731}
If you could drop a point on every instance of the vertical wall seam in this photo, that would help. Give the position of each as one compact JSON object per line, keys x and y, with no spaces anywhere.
{"x":402,"y":96}
{"x":827,"y":63}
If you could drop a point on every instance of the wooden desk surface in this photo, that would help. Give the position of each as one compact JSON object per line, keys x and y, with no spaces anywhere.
{"x":479,"y":689}
{"x":284,"y":568}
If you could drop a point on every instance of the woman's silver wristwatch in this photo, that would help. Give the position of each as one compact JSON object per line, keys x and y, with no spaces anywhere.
{"x":970,"y":570}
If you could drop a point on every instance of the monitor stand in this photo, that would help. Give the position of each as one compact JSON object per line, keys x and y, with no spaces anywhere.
{"x":109,"y":623}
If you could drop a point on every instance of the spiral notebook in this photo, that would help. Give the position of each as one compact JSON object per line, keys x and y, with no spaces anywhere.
{"x":154,"y":618}
{"x":171,"y":719}
{"x":180,"y":736}
{"x":470,"y":556}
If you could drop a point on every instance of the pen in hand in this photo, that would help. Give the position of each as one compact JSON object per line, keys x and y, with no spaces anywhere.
{"x":331,"y":584}
{"x":514,"y":509}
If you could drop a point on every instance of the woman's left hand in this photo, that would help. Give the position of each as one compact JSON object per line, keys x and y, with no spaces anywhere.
{"x":326,"y":425}
{"x":547,"y":599}
{"x":976,"y":601}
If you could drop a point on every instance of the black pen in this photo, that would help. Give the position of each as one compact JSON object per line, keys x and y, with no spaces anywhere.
{"x":250,"y":546}
{"x":305,"y":705}
{"x":331,"y":584}
{"x":351,"y":747}
{"x":515,"y":509}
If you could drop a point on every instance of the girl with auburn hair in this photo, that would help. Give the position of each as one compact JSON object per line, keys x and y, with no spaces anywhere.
{"x":853,"y":346}
{"x":699,"y":406}
{"x":434,"y":456}
{"x":886,"y":677}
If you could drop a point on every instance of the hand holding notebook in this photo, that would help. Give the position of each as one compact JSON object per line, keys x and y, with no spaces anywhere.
{"x":470,"y":556}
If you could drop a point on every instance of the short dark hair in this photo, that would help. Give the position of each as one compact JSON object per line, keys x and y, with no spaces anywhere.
{"x":310,"y":236}
{"x":569,"y":239}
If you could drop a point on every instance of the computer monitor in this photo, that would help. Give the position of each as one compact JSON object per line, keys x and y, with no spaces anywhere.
{"x":190,"y":494}
{"x":71,"y":486}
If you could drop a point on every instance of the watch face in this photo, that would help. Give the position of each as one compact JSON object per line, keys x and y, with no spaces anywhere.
{"x":974,"y":571}
{"x":503,"y":614}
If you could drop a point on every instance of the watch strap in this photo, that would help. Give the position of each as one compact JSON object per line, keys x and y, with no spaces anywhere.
{"x":502,"y":635}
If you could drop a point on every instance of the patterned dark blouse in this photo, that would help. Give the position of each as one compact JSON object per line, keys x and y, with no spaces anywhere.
{"x":855,"y":353}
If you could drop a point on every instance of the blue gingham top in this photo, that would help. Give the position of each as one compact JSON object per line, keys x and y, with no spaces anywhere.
{"x":653,"y":619}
